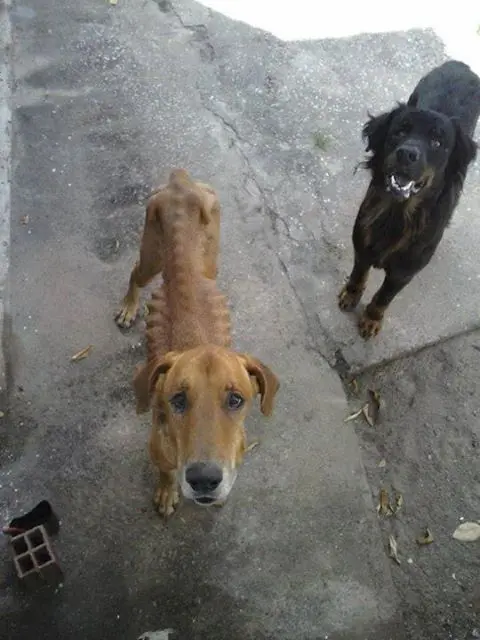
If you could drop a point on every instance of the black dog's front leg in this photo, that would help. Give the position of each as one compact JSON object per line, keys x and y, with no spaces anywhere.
{"x":370,"y":322}
{"x":352,"y":291}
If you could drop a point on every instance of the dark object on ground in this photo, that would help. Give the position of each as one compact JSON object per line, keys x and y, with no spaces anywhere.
{"x":41,"y":515}
{"x":420,"y":156}
{"x":34,"y":560}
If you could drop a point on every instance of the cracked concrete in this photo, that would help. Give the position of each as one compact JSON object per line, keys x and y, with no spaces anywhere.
{"x":107,"y":100}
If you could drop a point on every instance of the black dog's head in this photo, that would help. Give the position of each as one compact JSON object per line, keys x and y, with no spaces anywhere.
{"x":414,"y":149}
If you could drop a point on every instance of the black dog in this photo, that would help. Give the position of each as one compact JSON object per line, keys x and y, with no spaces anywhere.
{"x":420,"y":155}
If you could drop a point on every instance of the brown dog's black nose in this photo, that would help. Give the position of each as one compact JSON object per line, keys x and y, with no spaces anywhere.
{"x":203,"y":477}
{"x":407,"y":154}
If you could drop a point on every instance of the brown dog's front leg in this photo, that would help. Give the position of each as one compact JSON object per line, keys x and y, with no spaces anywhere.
{"x":166,"y":496}
{"x":352,"y":291}
{"x":370,"y":322}
{"x":127,"y":314}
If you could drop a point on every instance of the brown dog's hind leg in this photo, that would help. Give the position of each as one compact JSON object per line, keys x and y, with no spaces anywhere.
{"x":371,"y":320}
{"x":352,"y":291}
{"x":166,"y":496}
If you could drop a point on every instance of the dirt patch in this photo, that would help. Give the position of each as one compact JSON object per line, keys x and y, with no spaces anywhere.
{"x":425,"y":446}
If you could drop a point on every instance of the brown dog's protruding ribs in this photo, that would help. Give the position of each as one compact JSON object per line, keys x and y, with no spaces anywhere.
{"x":213,"y":318}
{"x":188,"y":310}
{"x":217,"y":314}
{"x":158,"y":325}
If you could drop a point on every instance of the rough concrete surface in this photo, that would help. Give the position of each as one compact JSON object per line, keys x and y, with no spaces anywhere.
{"x":107,"y":99}
{"x":428,"y":437}
{"x":5,"y":157}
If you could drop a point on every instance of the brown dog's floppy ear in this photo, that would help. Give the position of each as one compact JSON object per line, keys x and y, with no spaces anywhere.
{"x":267,"y":381}
{"x":146,"y":378}
{"x":159,"y":367}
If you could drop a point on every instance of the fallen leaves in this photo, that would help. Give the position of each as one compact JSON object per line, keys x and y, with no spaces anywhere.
{"x":383,"y":507}
{"x":386,"y":507}
{"x":252,"y":446}
{"x":398,"y":502}
{"x":467,"y":532}
{"x":393,"y":549}
{"x":370,"y":409}
{"x":163,"y":634}
{"x":354,"y":415}
{"x":80,"y":355}
{"x":425,"y":538}
{"x":354,"y":386}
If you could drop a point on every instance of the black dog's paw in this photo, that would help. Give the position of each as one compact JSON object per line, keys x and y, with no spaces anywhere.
{"x":348,"y":300}
{"x":368,"y":327}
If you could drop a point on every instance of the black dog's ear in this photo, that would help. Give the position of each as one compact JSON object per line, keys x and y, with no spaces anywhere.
{"x":375,"y":130}
{"x":464,"y":152}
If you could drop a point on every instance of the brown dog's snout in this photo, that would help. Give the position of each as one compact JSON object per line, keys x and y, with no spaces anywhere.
{"x":407,"y":155}
{"x":203,"y":477}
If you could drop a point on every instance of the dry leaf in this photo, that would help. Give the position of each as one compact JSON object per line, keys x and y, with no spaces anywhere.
{"x":164,"y":634}
{"x":367,"y":416}
{"x":393,"y":549}
{"x":467,"y":532}
{"x":382,"y":463}
{"x":398,"y":502}
{"x":425,"y":538}
{"x":146,"y":309}
{"x":354,"y":385}
{"x":354,"y":415}
{"x":373,"y":407}
{"x":383,"y":507}
{"x":252,"y":446}
{"x":82,"y":354}
{"x":24,"y":220}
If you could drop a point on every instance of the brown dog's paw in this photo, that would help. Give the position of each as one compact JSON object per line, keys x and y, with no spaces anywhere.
{"x":166,"y":500}
{"x":368,"y":328}
{"x":126,"y":316}
{"x":347,"y":301}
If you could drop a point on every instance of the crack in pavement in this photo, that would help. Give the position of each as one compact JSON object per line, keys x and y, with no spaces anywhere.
{"x":267,"y":208}
{"x":275,"y":217}
{"x":319,"y":337}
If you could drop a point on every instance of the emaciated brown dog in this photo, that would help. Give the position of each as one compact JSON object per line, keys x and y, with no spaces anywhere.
{"x":200,"y":391}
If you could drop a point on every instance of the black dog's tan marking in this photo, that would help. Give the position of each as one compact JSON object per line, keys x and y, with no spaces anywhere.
{"x":420,"y":155}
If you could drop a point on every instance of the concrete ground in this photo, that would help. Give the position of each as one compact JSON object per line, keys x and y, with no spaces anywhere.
{"x":106,"y":100}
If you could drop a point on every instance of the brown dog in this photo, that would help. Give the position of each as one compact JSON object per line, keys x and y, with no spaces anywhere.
{"x":199,"y":390}
{"x":160,"y":216}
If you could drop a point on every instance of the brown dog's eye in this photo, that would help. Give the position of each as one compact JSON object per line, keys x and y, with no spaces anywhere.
{"x":178,"y":402}
{"x":234,"y":401}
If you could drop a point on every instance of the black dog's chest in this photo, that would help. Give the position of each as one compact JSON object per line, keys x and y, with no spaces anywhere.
{"x":388,"y":232}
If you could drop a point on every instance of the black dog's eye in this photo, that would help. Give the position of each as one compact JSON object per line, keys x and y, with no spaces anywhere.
{"x":435,"y":142}
{"x":403,"y":130}
{"x":235,"y":401}
{"x":178,"y":402}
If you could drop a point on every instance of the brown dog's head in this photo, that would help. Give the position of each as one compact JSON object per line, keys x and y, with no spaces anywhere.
{"x":203,"y":396}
